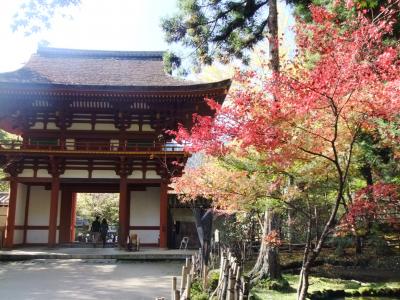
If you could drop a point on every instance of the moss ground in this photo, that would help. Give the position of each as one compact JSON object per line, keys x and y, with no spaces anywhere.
{"x":317,"y":284}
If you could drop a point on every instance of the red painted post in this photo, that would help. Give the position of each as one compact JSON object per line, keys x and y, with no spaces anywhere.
{"x":73,"y":217}
{"x":65,"y":216}
{"x":123,"y":199}
{"x":55,"y":188}
{"x":28,"y":196}
{"x":12,"y":205}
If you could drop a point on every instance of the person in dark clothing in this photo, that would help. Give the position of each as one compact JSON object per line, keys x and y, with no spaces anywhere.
{"x":95,"y":230}
{"x":104,"y":231}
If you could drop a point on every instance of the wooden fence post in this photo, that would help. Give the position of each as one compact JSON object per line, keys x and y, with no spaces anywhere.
{"x":183,"y":282}
{"x":173,"y":290}
{"x":237,"y":282}
{"x":231,"y":285}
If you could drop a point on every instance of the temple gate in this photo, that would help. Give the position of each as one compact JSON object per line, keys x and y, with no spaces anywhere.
{"x":93,"y":121}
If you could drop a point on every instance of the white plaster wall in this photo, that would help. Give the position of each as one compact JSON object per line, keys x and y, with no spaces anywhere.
{"x":145,"y":211}
{"x":70,"y":144}
{"x":51,"y":126}
{"x":37,"y":236}
{"x":26,"y":173}
{"x":182,"y":215}
{"x":104,"y":174}
{"x":136,"y":174}
{"x":80,"y":126}
{"x":145,"y":207}
{"x":75,"y":174}
{"x":133,"y":127}
{"x":147,"y":127}
{"x":38,"y":125}
{"x":20,"y":205}
{"x":18,"y":236}
{"x":43,"y":173}
{"x":106,"y":127}
{"x":152,"y":175}
{"x":39,"y":214}
{"x":39,"y":206}
{"x":147,"y":236}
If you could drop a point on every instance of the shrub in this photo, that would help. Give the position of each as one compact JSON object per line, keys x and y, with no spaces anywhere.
{"x":213,"y":277}
{"x":281,"y":285}
{"x":196,"y":291}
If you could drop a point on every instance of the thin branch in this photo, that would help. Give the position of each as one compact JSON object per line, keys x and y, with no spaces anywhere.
{"x":317,"y":154}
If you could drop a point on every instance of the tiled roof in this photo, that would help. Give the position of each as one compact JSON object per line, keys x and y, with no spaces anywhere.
{"x":93,"y":67}
{"x":4,"y":196}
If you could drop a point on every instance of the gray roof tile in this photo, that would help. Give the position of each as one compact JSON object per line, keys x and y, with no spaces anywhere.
{"x":93,"y":67}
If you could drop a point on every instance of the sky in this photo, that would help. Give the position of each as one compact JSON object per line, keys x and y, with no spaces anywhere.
{"x":95,"y":24}
{"x":102,"y":25}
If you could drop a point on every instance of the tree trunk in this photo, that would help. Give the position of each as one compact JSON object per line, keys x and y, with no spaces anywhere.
{"x":358,"y":242}
{"x":289,"y":229}
{"x":366,"y":172}
{"x":267,"y":265}
{"x":273,"y":39}
{"x":310,"y":255}
{"x":203,"y":222}
{"x":305,"y":269}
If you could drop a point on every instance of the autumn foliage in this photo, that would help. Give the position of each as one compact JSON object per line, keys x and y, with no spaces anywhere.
{"x":375,"y":204}
{"x":351,"y":81}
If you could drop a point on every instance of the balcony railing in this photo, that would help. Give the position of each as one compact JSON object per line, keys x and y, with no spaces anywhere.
{"x":91,"y":146}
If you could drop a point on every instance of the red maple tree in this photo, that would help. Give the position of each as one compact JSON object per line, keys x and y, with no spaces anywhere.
{"x":344,"y":80}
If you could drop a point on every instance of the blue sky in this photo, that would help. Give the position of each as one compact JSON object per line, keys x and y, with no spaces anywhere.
{"x":96,"y":24}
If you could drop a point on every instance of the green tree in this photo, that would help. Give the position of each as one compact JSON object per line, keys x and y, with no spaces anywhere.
{"x":90,"y":205}
{"x":36,"y":15}
{"x":222,"y":29}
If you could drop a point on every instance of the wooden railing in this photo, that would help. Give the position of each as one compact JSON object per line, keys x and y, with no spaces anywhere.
{"x":231,"y":281}
{"x":90,"y":146}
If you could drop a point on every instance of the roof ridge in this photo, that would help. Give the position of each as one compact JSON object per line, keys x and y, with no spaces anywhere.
{"x":87,"y":53}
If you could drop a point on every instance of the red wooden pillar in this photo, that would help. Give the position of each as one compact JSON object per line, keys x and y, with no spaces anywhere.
{"x":28,"y":196}
{"x":163,"y":214}
{"x":12,"y":205}
{"x":65,"y":217}
{"x":123,"y":213}
{"x":73,"y":218}
{"x":55,"y":188}
{"x":128,"y":211}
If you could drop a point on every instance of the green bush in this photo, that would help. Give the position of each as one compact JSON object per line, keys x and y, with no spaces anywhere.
{"x":281,"y":285}
{"x":380,"y":245}
{"x":196,"y":291}
{"x":213,"y":277}
{"x":362,"y":291}
{"x":340,"y":244}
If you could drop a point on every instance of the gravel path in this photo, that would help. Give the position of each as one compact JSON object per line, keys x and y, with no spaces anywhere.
{"x":86,"y":279}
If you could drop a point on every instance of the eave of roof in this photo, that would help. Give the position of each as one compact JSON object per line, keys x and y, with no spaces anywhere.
{"x":220,"y":87}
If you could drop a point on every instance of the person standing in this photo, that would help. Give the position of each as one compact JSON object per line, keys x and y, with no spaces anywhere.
{"x":104,"y":231}
{"x":95,"y":229}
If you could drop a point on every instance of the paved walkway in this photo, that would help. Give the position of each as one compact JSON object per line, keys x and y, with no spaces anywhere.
{"x":86,"y":279}
{"x":93,"y":253}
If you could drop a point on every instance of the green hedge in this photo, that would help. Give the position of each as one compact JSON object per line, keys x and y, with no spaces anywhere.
{"x":362,"y":291}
